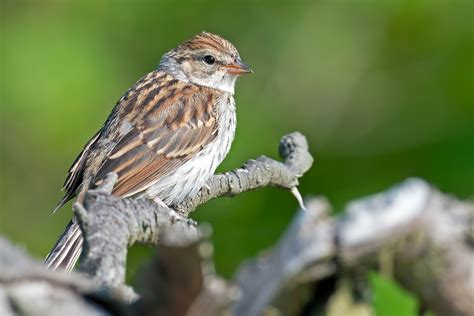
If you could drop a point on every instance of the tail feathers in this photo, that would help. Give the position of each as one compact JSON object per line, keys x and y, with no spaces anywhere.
{"x":64,"y":200}
{"x":67,"y":249}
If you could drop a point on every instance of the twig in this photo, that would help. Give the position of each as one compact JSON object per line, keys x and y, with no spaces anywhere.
{"x":257,"y":173}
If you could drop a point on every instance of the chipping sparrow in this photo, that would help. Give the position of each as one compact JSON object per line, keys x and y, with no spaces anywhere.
{"x":166,"y":135}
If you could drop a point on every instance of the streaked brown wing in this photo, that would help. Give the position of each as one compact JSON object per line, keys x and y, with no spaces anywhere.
{"x":75,"y":172}
{"x":174,"y":125}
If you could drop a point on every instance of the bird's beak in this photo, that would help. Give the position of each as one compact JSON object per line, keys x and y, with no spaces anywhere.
{"x":238,"y":67}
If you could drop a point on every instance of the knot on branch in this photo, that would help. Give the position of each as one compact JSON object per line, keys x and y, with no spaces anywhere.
{"x":294,"y":150}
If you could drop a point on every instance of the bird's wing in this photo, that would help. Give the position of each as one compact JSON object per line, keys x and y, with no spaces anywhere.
{"x":176,"y":120}
{"x":76,"y":171}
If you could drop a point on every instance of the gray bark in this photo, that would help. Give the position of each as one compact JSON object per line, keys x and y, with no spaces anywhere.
{"x":110,"y":224}
{"x":412,"y":232}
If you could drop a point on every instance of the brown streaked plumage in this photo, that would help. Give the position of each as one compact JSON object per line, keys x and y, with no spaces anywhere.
{"x":166,"y":135}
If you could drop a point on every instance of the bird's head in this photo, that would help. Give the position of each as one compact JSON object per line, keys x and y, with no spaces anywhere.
{"x":207,"y":60}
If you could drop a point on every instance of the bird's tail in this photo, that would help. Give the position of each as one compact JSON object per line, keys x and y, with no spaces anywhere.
{"x":67,"y":249}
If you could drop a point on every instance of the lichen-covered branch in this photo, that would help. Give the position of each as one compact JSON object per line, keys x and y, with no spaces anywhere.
{"x":110,"y":224}
{"x":412,"y":233}
{"x":27,"y":287}
{"x":427,"y":236}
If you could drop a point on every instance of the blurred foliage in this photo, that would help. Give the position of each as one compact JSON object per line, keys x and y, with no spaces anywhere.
{"x":382,"y":89}
{"x":389,"y":299}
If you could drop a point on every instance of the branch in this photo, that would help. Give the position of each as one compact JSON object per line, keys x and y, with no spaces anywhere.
{"x":257,"y":173}
{"x":412,"y":232}
{"x":110,"y":224}
{"x":27,"y":287}
{"x":428,"y":236}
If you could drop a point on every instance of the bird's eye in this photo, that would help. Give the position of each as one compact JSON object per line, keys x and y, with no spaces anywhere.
{"x":209,"y":59}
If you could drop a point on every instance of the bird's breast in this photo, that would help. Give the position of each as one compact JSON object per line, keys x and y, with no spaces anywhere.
{"x":187,"y":179}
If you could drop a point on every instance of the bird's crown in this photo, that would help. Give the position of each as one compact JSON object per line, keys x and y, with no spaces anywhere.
{"x":206,"y":40}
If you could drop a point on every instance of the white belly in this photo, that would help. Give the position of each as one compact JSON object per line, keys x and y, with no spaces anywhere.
{"x":191,"y":176}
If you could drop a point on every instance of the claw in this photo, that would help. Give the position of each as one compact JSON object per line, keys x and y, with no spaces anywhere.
{"x":299,"y":198}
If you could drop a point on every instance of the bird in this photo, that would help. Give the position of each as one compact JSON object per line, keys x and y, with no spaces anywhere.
{"x":165,"y":136}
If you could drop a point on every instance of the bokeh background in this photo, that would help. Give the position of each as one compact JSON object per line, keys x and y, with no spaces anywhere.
{"x":382,"y":89}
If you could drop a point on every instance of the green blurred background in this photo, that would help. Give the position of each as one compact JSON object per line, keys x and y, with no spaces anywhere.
{"x":382,"y":89}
